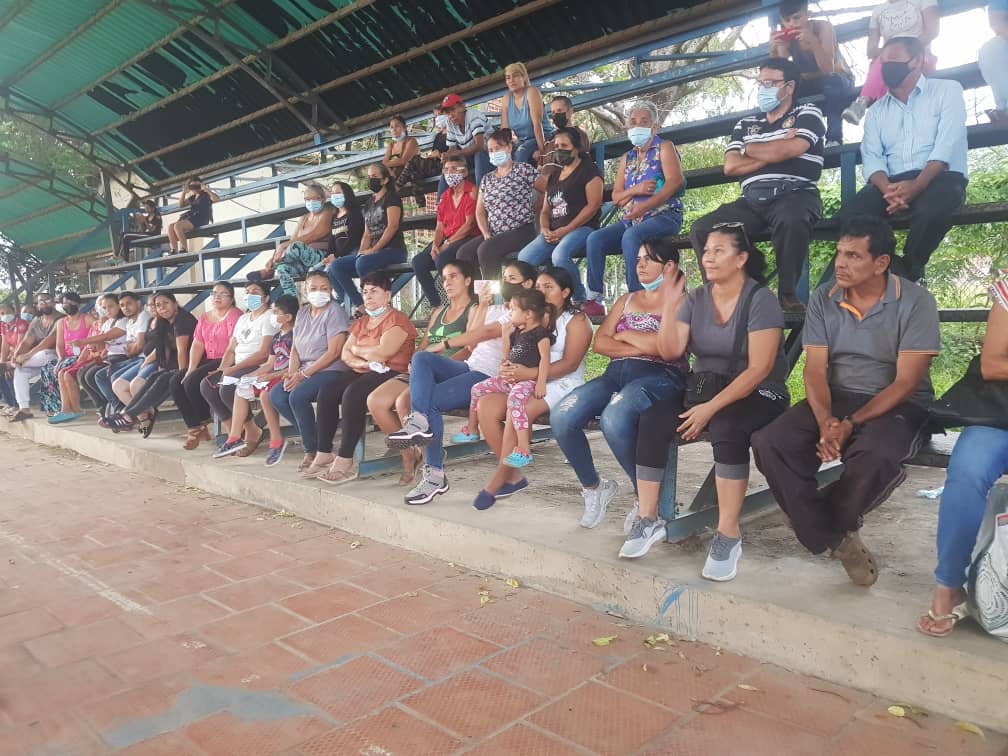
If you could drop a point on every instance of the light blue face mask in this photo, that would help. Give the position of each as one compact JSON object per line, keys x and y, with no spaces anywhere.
{"x":337,"y":200}
{"x":376,"y":313}
{"x":499,"y":158}
{"x":767,"y":99}
{"x":639,"y":136}
{"x":653,"y":286}
{"x":27,"y":317}
{"x":313,"y":206}
{"x":253,"y":301}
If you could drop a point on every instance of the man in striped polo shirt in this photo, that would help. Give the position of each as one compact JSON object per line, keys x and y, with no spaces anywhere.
{"x":777,"y":155}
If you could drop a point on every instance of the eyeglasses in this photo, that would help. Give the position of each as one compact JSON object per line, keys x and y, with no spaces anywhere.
{"x":736,"y":226}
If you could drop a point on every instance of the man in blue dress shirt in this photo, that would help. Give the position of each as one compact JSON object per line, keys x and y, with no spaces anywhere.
{"x":914,"y":154}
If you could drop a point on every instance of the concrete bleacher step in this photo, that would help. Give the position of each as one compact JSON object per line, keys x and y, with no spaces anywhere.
{"x":786,"y":607}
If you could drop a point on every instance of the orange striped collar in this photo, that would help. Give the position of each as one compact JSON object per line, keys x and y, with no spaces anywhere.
{"x":894,"y":290}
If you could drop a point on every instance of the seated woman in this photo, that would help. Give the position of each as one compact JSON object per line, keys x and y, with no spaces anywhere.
{"x":378,"y":349}
{"x":503,"y":209}
{"x":147,"y":223}
{"x":13,"y":325}
{"x":246,"y":351}
{"x":456,"y":224}
{"x":347,"y":224}
{"x":389,"y":403}
{"x":200,"y":201}
{"x":649,"y":185}
{"x":439,"y":383}
{"x":320,"y":330}
{"x":382,"y":243}
{"x":523,"y":112}
{"x":173,"y":332}
{"x":753,"y":389}
{"x":419,"y":168}
{"x":308,"y":244}
{"x":979,"y":459}
{"x":73,"y":328}
{"x":636,"y":377}
{"x":401,"y":148}
{"x":110,"y":344}
{"x":245,"y":435}
{"x":566,"y":373}
{"x":570,"y":212}
{"x":116,"y":382}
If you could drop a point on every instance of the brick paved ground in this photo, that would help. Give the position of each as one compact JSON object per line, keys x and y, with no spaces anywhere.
{"x":140,"y":616}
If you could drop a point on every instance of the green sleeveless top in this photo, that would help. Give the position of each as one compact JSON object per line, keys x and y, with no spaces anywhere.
{"x":440,"y":330}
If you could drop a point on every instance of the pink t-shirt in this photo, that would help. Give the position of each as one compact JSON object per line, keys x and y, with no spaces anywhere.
{"x":215,"y":336}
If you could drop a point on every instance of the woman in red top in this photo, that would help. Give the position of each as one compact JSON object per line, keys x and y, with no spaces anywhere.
{"x":456,"y":224}
{"x":12,"y":328}
{"x":379,"y":348}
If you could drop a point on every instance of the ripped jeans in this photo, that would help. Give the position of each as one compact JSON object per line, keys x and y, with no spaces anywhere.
{"x":619,"y":396}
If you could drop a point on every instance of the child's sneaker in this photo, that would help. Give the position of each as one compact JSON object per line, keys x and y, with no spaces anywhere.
{"x":518,"y":459}
{"x":464,"y":436}
{"x":275,"y":454}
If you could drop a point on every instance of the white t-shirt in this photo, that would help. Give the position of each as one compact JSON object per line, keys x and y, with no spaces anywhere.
{"x":116,"y":346}
{"x":137,"y":326}
{"x":249,"y":334}
{"x":558,"y":388}
{"x":903,"y":18}
{"x":486,"y":356}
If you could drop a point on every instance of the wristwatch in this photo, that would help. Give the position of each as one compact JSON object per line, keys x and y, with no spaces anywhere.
{"x":855,"y":426}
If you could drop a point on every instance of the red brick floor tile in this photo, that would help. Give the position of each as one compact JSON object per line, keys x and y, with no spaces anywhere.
{"x":174,"y":617}
{"x":141,"y":702}
{"x":225,"y":735}
{"x":587,"y":716}
{"x":579,"y":632}
{"x":323,"y":572}
{"x":168,"y":744}
{"x":356,"y":688}
{"x":339,"y":637}
{"x":525,"y":740}
{"x":473,"y":703}
{"x":187,"y":558}
{"x":254,"y":592}
{"x":161,"y":658}
{"x":253,"y":565}
{"x":395,"y":579}
{"x":261,"y":668}
{"x":58,"y":734}
{"x":799,"y":700}
{"x":132,"y":552}
{"x":438,"y":652}
{"x":496,"y":628}
{"x":90,"y":608}
{"x":31,"y":623}
{"x":331,"y":601}
{"x":256,"y":627}
{"x":545,"y":666}
{"x":17,"y":664}
{"x":680,"y":675}
{"x":933,"y":728}
{"x":84,"y":641}
{"x":740,"y":733}
{"x":412,"y":613}
{"x":318,"y":548}
{"x":373,"y":553}
{"x":391,"y":731}
{"x":55,"y":690}
{"x":173,"y":585}
{"x":246,"y":542}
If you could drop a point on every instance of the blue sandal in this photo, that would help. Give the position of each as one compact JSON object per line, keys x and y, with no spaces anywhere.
{"x":465,"y":437}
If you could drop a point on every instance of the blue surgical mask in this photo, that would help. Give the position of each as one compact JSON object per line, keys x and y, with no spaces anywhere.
{"x":497,"y":159}
{"x":653,"y":286}
{"x":767,"y":99}
{"x":337,"y":200}
{"x":400,"y":137}
{"x":27,"y":317}
{"x":253,"y":301}
{"x":376,"y":313}
{"x":313,"y":206}
{"x":639,"y":136}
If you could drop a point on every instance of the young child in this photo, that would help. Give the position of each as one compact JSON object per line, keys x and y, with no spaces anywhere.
{"x":257,"y":384}
{"x":527,"y":345}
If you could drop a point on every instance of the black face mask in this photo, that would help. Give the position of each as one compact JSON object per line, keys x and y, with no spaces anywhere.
{"x":509,"y":289}
{"x":374,"y":184}
{"x":71,"y":309}
{"x":559,"y":120}
{"x":894,"y":73}
{"x":45,"y":309}
{"x":564,"y":157}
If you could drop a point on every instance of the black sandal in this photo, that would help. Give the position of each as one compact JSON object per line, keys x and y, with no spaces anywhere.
{"x":147,"y":426}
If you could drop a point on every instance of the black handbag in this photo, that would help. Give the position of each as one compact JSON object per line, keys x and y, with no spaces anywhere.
{"x":973,"y":401}
{"x":704,"y":386}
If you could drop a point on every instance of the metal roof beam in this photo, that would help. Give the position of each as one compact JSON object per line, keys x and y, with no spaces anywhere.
{"x":13,"y":11}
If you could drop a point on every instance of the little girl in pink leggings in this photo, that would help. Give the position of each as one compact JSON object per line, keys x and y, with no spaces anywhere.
{"x":894,"y":18}
{"x":528,"y":345}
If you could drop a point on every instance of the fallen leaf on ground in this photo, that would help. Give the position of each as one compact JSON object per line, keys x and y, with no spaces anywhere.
{"x":970,"y":727}
{"x":750,"y":688}
{"x":484,"y":600}
{"x":897,"y":711}
{"x":605,"y":640}
{"x":512,"y":583}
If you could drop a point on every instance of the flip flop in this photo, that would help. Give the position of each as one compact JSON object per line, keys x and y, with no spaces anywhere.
{"x":959,"y":612}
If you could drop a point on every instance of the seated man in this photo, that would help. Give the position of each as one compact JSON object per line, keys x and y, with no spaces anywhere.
{"x":778,"y":157}
{"x":466,"y":131}
{"x":914,"y":154}
{"x":869,"y":341}
{"x":36,"y":350}
{"x":993,"y":60}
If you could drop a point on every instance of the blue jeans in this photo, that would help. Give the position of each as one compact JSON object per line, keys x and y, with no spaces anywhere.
{"x":106,"y":376}
{"x":616,"y":236}
{"x":437,"y":384}
{"x":524,"y":150}
{"x":7,"y":390}
{"x":343,"y":270}
{"x":538,"y":251}
{"x":625,"y":391}
{"x":296,"y":405}
{"x":478,"y":164}
{"x":980,"y":457}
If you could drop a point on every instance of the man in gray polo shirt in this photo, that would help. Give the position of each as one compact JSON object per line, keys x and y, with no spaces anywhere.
{"x":869,"y":341}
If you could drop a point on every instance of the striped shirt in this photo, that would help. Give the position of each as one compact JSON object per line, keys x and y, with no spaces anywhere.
{"x":462,"y":138}
{"x":810,"y":125}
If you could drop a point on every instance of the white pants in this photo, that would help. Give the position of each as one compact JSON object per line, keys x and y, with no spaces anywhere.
{"x":31,"y":368}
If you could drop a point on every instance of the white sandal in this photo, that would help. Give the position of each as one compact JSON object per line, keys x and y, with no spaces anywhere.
{"x":959,"y":612}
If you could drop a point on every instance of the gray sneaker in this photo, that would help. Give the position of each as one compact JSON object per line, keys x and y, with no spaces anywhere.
{"x":645,"y":533}
{"x":415,"y":432}
{"x":722,"y":559}
{"x":596,"y":501}
{"x":425,"y":491}
{"x":631,"y":517}
{"x":855,"y":111}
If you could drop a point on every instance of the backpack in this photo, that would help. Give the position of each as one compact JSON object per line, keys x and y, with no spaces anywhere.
{"x":988,"y":575}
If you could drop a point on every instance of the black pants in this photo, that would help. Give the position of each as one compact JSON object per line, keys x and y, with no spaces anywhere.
{"x":124,"y":248}
{"x":929,"y":217}
{"x":156,"y":390}
{"x":220,"y":398}
{"x":789,"y":218}
{"x":345,"y":399}
{"x":490,"y":254}
{"x":873,"y":460}
{"x":729,"y":432}
{"x":90,"y":385}
{"x":186,"y":394}
{"x":424,"y":266}
{"x":838,"y":92}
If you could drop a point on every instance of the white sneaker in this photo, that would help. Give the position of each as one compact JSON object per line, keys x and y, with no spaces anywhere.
{"x":722,"y":558}
{"x":631,"y":517}
{"x":645,"y":533}
{"x":597,"y":501}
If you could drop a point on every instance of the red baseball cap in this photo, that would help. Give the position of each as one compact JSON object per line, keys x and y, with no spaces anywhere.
{"x":450,"y":101}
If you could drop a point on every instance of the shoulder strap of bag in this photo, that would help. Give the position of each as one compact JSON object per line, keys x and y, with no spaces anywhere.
{"x":742,"y":328}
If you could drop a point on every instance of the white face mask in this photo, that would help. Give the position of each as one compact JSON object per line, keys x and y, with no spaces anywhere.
{"x":8,"y":318}
{"x":319,"y":298}
{"x":274,"y":320}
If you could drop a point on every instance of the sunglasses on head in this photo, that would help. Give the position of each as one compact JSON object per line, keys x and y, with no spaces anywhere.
{"x":734,"y":226}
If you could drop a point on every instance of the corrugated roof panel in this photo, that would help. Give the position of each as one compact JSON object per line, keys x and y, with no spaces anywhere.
{"x":87,"y":244}
{"x":60,"y":222}
{"x":37,"y":28}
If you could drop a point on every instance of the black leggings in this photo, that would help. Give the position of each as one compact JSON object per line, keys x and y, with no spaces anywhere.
{"x":220,"y":398}
{"x":729,"y":431}
{"x":346,"y":399}
{"x":186,"y":393}
{"x":90,"y":385}
{"x":155,"y":391}
{"x":491,"y":253}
